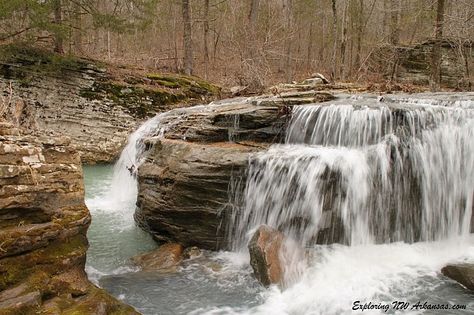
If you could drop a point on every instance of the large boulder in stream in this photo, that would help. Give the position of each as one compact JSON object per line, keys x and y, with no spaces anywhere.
{"x":43,"y":225}
{"x":164,"y":259}
{"x":185,"y":180}
{"x":462,"y":273}
{"x":265,"y":255}
{"x":183,"y":191}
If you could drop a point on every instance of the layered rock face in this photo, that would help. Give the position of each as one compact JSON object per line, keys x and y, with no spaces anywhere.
{"x":412,"y":64}
{"x":43,"y":224}
{"x":185,"y":181}
{"x":96,"y":105}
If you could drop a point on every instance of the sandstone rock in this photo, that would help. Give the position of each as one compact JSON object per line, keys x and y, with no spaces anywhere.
{"x":462,"y":273}
{"x":97,"y":108}
{"x":205,"y":150}
{"x":43,"y":225}
{"x":413,"y":63}
{"x":23,"y":304}
{"x":265,"y":255}
{"x":164,"y":259}
{"x":183,"y":190}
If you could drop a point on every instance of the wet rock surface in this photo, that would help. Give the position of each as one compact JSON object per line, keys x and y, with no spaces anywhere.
{"x":462,"y":273}
{"x":185,"y":180}
{"x":164,"y":259}
{"x":43,"y":225}
{"x":265,"y":255}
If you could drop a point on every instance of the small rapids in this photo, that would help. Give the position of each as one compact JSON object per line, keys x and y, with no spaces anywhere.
{"x":378,"y":190}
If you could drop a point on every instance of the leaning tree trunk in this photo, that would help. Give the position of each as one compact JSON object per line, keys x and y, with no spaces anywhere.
{"x":187,"y":39}
{"x":435,"y":79}
{"x":58,"y":37}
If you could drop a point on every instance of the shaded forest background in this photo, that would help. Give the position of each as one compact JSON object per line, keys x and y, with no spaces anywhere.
{"x":247,"y":42}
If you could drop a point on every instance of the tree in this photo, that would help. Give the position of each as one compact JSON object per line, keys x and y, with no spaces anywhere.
{"x":187,"y":38}
{"x":206,"y":38}
{"x":435,"y":80}
{"x":334,"y":38}
{"x":58,"y":19}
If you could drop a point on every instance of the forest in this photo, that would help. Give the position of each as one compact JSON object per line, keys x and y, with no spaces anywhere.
{"x":253,"y":43}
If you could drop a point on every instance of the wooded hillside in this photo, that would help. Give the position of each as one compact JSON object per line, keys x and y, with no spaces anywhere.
{"x":251,"y":42}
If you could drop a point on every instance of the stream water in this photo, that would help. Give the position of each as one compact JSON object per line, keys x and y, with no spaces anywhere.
{"x":380,"y":155}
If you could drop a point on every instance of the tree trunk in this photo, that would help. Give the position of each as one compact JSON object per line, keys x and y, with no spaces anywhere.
{"x":77,"y":32}
{"x":435,"y":80}
{"x":344,"y":39}
{"x":253,"y":14}
{"x":253,"y":24}
{"x":310,"y":46}
{"x":206,"y":38}
{"x":360,"y":30}
{"x":395,"y":10}
{"x":334,"y":38}
{"x":58,"y":37}
{"x":187,"y":39}
{"x":289,"y":42}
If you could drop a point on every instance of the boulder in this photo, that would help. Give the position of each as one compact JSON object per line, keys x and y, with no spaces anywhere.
{"x":184,"y":182}
{"x":164,"y":259}
{"x":265,"y":255}
{"x":183,"y":190}
{"x":462,"y":273}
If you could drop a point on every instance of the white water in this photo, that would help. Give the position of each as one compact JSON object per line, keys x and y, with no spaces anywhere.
{"x":391,"y":175}
{"x":385,"y":174}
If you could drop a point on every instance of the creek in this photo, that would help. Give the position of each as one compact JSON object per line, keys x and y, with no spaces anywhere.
{"x":403,"y":170}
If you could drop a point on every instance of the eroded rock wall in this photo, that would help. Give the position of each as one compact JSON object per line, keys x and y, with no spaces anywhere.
{"x":43,"y":225}
{"x":96,"y":105}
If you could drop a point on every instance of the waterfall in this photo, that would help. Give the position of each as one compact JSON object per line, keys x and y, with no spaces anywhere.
{"x":364,"y":170}
{"x":122,"y":195}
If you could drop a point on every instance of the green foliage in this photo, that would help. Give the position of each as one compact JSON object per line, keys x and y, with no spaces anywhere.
{"x":28,"y":17}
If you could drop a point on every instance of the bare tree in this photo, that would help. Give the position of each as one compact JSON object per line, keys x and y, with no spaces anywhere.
{"x":288,"y":4}
{"x":206,"y":38}
{"x":77,"y":31}
{"x":334,"y":38}
{"x":344,"y":39}
{"x":435,"y":80}
{"x":58,"y":37}
{"x":395,"y":11}
{"x":187,"y":38}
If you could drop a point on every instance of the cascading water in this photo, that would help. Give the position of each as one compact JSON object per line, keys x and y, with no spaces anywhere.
{"x":113,"y":235}
{"x":359,"y":174}
{"x":374,"y":173}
